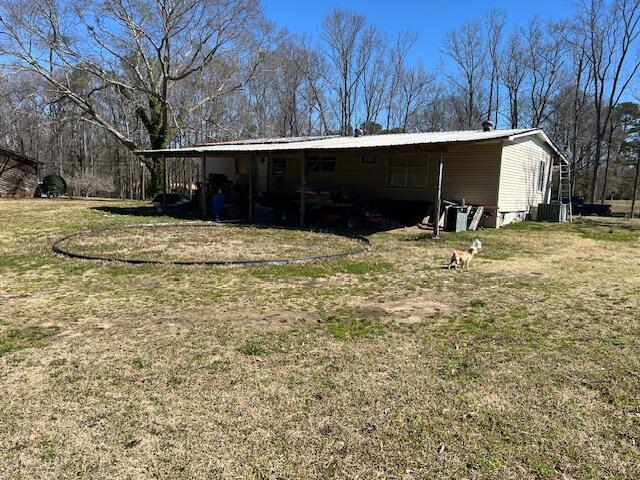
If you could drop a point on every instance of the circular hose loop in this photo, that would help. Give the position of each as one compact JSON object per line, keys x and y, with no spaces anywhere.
{"x":57,"y":248}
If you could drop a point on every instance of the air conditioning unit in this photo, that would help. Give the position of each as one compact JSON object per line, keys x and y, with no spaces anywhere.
{"x":551,"y":212}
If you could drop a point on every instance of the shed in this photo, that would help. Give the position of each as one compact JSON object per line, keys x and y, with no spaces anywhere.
{"x":509,"y":172}
{"x":18,"y":174}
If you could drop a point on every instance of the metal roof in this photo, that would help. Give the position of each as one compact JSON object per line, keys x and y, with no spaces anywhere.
{"x":5,"y":152}
{"x":350,"y":143}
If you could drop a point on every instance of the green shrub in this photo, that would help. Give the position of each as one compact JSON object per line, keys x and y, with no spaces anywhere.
{"x":54,"y":186}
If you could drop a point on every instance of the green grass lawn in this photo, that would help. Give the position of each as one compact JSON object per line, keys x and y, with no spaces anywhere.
{"x":382,"y":366}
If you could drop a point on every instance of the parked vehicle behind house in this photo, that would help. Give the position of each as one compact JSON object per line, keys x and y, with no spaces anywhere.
{"x":595,"y":209}
{"x":588,"y":209}
{"x":175,"y":203}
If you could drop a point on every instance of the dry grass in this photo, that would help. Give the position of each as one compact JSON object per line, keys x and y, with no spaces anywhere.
{"x":205,"y":242}
{"x":624,"y":206}
{"x":384,"y":366}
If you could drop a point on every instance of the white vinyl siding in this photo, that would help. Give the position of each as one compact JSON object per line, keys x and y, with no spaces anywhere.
{"x":524,"y":173}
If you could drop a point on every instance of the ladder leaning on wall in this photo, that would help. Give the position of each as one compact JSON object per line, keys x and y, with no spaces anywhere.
{"x":564,"y":187}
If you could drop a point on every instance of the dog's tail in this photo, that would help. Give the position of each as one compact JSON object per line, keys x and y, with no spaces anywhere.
{"x":476,"y":245}
{"x":455,"y":260}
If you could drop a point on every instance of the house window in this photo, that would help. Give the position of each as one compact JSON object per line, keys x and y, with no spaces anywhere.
{"x":321,"y":164}
{"x":278,"y":166}
{"x":541,"y":176}
{"x":407,"y":172}
{"x":368,"y":160}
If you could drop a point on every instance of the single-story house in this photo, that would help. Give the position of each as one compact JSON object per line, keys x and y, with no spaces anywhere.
{"x":18,"y":174}
{"x":508,"y":172}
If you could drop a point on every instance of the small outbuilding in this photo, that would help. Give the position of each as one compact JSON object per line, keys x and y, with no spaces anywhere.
{"x":18,"y":174}
{"x":507,"y":172}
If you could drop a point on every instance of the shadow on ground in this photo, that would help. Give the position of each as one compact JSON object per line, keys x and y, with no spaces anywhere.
{"x":149,"y":211}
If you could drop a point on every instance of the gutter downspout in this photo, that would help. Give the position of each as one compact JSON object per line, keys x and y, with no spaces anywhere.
{"x":438,"y":206}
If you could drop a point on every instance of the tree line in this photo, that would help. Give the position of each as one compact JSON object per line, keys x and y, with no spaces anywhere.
{"x":85,"y":83}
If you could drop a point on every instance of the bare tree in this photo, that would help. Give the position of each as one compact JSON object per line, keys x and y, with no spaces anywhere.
{"x":414,"y":95}
{"x":280,"y":105}
{"x":581,"y":79}
{"x":495,"y":21}
{"x":545,"y":60}
{"x":374,"y":87}
{"x":88,"y":183}
{"x":397,"y":59}
{"x":139,"y":49}
{"x":466,"y":48}
{"x":315,"y":69}
{"x":434,"y":115}
{"x":610,"y":32}
{"x":160,"y":73}
{"x":350,"y":45}
{"x":513,"y":73}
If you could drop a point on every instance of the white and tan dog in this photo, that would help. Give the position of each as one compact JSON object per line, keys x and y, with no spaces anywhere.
{"x":461,"y":258}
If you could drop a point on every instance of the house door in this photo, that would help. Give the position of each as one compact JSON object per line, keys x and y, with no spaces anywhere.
{"x":262,"y":174}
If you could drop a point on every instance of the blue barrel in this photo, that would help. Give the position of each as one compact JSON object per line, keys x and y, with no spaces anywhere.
{"x":217,"y":204}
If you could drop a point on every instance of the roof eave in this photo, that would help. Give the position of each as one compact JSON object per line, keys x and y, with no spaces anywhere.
{"x":20,"y":157}
{"x":190,"y":152}
{"x":208,"y":150}
{"x":541,"y":133}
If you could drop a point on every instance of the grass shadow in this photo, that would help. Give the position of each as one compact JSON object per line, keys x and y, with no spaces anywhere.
{"x":144,"y":211}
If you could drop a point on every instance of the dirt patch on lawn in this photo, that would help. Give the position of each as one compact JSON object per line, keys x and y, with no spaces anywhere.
{"x":416,"y":309}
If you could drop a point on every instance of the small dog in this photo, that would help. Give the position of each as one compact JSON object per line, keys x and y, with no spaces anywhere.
{"x":460,"y":258}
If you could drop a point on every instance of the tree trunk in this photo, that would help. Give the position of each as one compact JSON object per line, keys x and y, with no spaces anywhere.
{"x":594,"y":173}
{"x":635,"y":185}
{"x":596,"y":158}
{"x":156,"y":175}
{"x":606,"y":167}
{"x":606,"y":174}
{"x":156,"y":125}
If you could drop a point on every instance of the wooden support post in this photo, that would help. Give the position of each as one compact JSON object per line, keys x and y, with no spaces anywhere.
{"x":251,"y":162}
{"x":436,"y":220}
{"x":143,"y":194}
{"x":203,"y":186}
{"x":569,"y":191}
{"x":560,"y":172}
{"x":303,"y":199}
{"x":635,"y":185}
{"x":164,"y":184}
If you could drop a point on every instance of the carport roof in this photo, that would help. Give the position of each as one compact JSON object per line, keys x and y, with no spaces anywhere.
{"x":19,"y":157}
{"x":350,"y":143}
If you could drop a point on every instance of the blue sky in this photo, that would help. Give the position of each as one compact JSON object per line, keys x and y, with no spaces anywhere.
{"x":432,"y":19}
